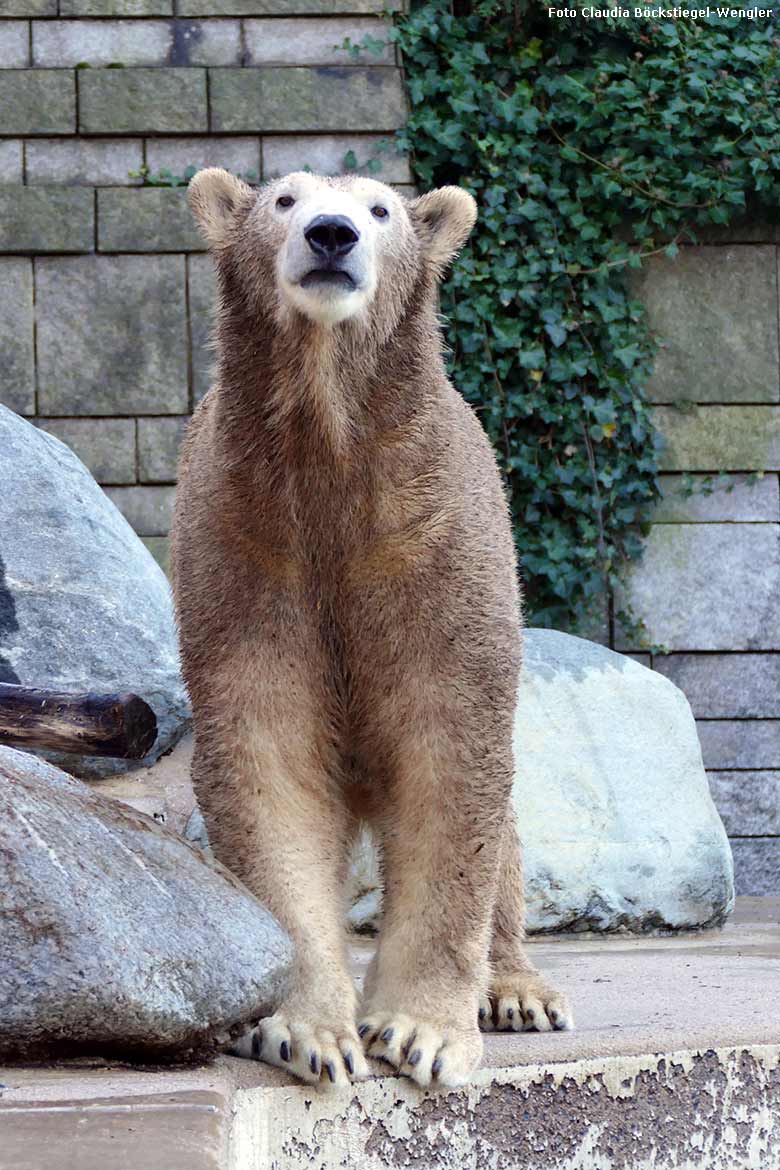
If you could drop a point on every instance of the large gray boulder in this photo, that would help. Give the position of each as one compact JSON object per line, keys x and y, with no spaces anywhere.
{"x":116,"y":936}
{"x":83,"y":604}
{"x":611,"y":798}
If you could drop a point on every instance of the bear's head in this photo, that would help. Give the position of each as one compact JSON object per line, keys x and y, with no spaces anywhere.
{"x":331,"y":249}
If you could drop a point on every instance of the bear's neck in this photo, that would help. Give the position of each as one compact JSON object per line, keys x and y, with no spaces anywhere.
{"x":336,"y":389}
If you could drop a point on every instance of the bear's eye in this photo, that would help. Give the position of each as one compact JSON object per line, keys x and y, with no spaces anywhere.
{"x":380,"y":212}
{"x":285,"y":201}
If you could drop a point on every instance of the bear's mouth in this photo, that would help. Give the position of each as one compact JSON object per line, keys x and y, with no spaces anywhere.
{"x":333,"y":277}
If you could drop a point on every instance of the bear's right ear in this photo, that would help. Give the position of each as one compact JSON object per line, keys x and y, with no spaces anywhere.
{"x":215,"y":196}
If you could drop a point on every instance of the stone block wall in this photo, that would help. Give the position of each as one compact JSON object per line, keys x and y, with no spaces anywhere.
{"x":105,"y":290}
{"x":708,"y":587}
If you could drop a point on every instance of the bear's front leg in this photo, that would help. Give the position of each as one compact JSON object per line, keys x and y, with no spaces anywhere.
{"x":440,"y":833}
{"x":276,"y":817}
{"x":518,"y":999}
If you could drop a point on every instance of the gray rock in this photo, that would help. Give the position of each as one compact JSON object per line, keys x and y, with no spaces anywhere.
{"x":195,"y":831}
{"x":612,"y":800}
{"x":365,"y":913}
{"x":120,"y":939}
{"x":364,"y":892}
{"x":83,"y":605}
{"x":619,"y":828}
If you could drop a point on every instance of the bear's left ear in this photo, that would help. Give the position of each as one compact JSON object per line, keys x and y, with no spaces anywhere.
{"x":215,"y":196}
{"x":443,"y":220}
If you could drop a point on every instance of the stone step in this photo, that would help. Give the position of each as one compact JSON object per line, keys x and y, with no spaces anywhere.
{"x":675,"y":1064}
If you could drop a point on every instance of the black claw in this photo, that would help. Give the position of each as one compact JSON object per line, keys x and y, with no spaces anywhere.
{"x":363,"y":1030}
{"x":330,"y":1069}
{"x":257,"y":1044}
{"x":436,"y":1066}
{"x":510,"y":1013}
{"x":314,"y":1063}
{"x":387,"y":1035}
{"x":530,"y":1015}
{"x":349,"y":1064}
{"x":482,"y":1013}
{"x":284,"y":1050}
{"x":415,"y":1058}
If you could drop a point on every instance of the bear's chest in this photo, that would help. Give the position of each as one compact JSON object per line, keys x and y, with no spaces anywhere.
{"x":330,"y":525}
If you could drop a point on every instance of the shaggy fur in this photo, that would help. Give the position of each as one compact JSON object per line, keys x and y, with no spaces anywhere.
{"x":350,"y":627}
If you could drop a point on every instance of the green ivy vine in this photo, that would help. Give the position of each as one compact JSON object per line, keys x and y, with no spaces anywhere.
{"x":590,"y":146}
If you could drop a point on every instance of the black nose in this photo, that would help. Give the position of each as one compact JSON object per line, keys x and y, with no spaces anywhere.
{"x":331,"y":236}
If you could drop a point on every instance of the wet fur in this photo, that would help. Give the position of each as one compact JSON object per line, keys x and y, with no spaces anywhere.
{"x":350,"y":622}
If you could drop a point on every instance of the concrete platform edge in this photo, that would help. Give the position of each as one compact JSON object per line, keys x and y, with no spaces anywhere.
{"x":713,"y":1109}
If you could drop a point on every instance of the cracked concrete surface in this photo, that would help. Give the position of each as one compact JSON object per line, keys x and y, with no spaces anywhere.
{"x":675,"y":1065}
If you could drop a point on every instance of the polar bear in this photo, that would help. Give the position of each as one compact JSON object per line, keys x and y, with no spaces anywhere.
{"x":347,"y":598}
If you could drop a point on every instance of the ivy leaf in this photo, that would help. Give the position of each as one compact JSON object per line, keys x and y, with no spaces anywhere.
{"x":531,"y":358}
{"x":556,"y":333}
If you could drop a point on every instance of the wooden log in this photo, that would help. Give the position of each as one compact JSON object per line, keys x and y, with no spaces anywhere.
{"x":122,"y":726}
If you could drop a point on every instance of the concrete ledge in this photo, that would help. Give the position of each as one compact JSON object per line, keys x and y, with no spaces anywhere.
{"x":675,"y":1066}
{"x":712,"y":1110}
{"x":169,"y":1130}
